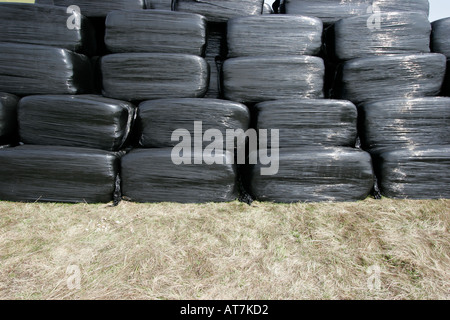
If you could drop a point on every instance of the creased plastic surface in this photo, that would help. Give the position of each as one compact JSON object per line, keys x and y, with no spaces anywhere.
{"x":399,"y":33}
{"x":270,"y":35}
{"x":267,"y":8}
{"x":158,"y":4}
{"x":331,"y":11}
{"x":221,"y":11}
{"x":86,"y":121}
{"x":147,"y":76}
{"x":394,"y":76}
{"x":440,"y":40}
{"x":32,"y":69}
{"x":149,"y":175}
{"x":57,"y":174}
{"x":413,"y":172}
{"x":216,"y":51}
{"x":158,"y":119}
{"x":8,"y":117}
{"x":314,"y":174}
{"x":101,"y":8}
{"x":155,"y":31}
{"x":257,"y":79}
{"x":404,"y":122}
{"x":305,"y":122}
{"x":44,"y":25}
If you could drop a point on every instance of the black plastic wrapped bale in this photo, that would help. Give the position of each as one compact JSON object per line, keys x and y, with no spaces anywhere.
{"x":149,"y":175}
{"x":446,"y":85}
{"x":422,"y":6}
{"x":258,"y":79}
{"x":329,"y":11}
{"x":158,"y":4}
{"x":440,"y":40}
{"x":33,"y":69}
{"x":147,"y":76}
{"x":57,"y":174}
{"x":221,"y":11}
{"x":155,"y":31}
{"x":44,"y":25}
{"x":101,"y":8}
{"x":303,"y":122}
{"x":394,"y":76}
{"x":405,"y":122}
{"x":85,"y":121}
{"x":315,"y":174}
{"x":8,"y":117}
{"x":156,"y":127}
{"x":216,"y":51}
{"x":270,"y":35}
{"x":413,"y":172}
{"x":399,"y":33}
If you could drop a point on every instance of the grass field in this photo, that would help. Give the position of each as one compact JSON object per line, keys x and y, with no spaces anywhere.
{"x":373,"y":249}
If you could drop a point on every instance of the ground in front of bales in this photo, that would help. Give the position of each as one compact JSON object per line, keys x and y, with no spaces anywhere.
{"x":373,"y":249}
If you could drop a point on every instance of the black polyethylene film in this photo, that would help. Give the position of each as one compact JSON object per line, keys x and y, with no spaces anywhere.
{"x":155,"y":31}
{"x":313,"y":174}
{"x":216,"y":51}
{"x":413,"y":172}
{"x":149,"y":175}
{"x":85,"y":121}
{"x":405,"y":122}
{"x":8,"y":117}
{"x":258,"y":79}
{"x":273,"y":35}
{"x":391,"y":76}
{"x":158,"y":119}
{"x":267,"y":9}
{"x":304,"y":122}
{"x":221,"y":11}
{"x":33,"y":69}
{"x":398,"y":33}
{"x":158,"y":4}
{"x":422,"y":6}
{"x":57,"y":174}
{"x":44,"y":25}
{"x":147,"y":76}
{"x":440,"y":40}
{"x":101,"y":8}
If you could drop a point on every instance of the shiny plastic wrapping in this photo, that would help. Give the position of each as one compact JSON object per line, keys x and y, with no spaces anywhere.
{"x":315,"y":174}
{"x":405,"y":122}
{"x":422,"y":6}
{"x":85,"y":121}
{"x":33,"y":69}
{"x":147,"y":76}
{"x":149,"y":175}
{"x":101,"y":8}
{"x":440,"y":39}
{"x":221,"y":11}
{"x":44,"y":25}
{"x":399,"y":33}
{"x":258,"y":79}
{"x":413,"y":172}
{"x":304,"y":122}
{"x":158,"y":4}
{"x":394,"y":76}
{"x":8,"y":117}
{"x":267,"y":9}
{"x":274,"y":35}
{"x":158,"y":119}
{"x":216,"y":51}
{"x":329,"y":11}
{"x":57,"y":174}
{"x":155,"y":31}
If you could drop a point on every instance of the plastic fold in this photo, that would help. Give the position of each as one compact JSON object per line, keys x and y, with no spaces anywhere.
{"x":101,"y":8}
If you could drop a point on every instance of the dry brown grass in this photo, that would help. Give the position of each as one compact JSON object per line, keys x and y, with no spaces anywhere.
{"x":226,"y":251}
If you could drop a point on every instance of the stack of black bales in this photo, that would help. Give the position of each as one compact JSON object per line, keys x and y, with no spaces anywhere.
{"x":157,"y":61}
{"x":273,"y":62}
{"x":394,"y":79}
{"x":69,"y":136}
